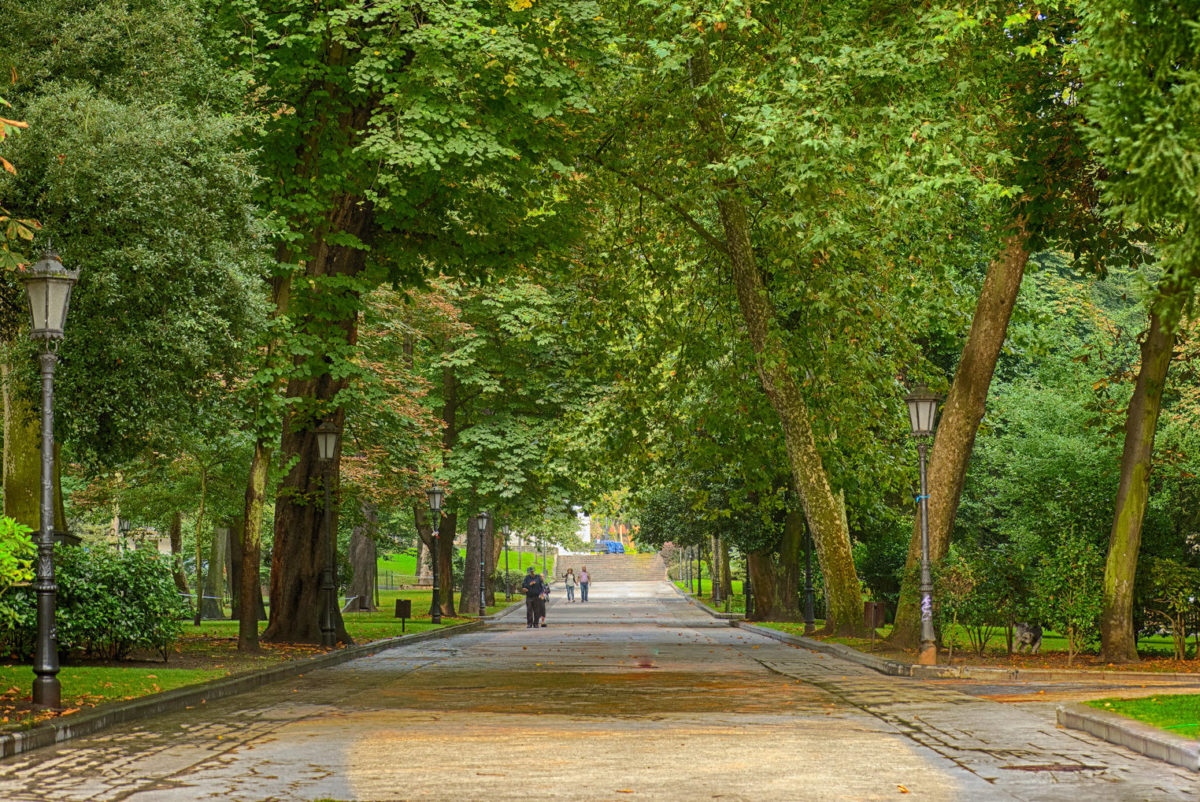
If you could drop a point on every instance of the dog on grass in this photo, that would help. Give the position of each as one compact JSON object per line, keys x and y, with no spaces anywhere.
{"x":1027,"y":636}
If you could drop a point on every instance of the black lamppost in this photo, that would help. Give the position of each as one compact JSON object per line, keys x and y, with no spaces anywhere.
{"x":48,"y":285}
{"x":749,"y":591}
{"x":327,"y":443}
{"x":123,"y":526}
{"x":481,"y":522}
{"x":809,"y":622}
{"x":922,"y":412}
{"x":436,"y":494}
{"x":507,"y":589}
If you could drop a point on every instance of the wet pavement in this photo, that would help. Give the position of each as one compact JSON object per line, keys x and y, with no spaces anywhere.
{"x":635,"y":694}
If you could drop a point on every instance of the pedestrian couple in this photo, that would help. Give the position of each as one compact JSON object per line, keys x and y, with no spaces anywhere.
{"x":536,"y":594}
{"x":583,"y":580}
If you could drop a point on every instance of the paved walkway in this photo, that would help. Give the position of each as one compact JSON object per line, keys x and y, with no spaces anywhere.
{"x":633,"y":695}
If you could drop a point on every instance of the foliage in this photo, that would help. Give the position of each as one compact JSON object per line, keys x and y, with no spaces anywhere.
{"x":1170,"y":594}
{"x":1067,"y":587}
{"x":17,"y":554}
{"x":109,"y":604}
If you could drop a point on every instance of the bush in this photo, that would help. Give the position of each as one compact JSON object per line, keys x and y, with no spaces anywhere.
{"x":17,"y":553}
{"x":1068,"y":591}
{"x":109,"y":603}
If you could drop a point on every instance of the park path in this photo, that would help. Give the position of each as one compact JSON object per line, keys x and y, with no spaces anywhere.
{"x":633,"y":695}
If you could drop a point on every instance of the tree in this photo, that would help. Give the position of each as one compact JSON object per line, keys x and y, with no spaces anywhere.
{"x":417,"y":135}
{"x":1141,"y":68}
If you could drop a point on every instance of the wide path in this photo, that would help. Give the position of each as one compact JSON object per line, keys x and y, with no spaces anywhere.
{"x":633,"y":695}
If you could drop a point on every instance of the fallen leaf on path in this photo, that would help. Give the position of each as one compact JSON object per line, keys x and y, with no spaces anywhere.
{"x":903,"y":790}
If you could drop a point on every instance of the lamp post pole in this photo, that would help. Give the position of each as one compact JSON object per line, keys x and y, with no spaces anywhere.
{"x":749,"y":591}
{"x":507,"y":589}
{"x":436,"y":494}
{"x":48,"y":285}
{"x":809,"y":621}
{"x":327,"y":436}
{"x":922,"y":412}
{"x":47,"y":690}
{"x":928,"y":654}
{"x":483,"y":524}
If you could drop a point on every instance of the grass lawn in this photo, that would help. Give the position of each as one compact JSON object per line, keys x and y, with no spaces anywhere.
{"x":737,"y":604}
{"x":1175,"y":714}
{"x":401,"y":569}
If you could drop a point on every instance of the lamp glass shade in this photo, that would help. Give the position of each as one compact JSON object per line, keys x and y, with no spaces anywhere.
{"x":48,"y":285}
{"x":125,"y":525}
{"x":327,"y":441}
{"x":482,"y":521}
{"x":922,"y":410}
{"x":436,"y":494}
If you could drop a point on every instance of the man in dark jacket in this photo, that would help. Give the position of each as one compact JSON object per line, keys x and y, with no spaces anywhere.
{"x":533,"y":586}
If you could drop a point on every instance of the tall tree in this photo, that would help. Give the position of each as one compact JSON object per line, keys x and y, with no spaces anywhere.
{"x":1141,"y":67}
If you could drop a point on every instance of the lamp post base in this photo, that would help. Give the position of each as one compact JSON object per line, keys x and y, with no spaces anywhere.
{"x":47,"y":693}
{"x":928,"y":655}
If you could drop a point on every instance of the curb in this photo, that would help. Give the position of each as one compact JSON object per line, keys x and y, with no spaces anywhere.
{"x":730,"y":618}
{"x":891,"y":668}
{"x":1141,"y":738}
{"x":74,"y":726}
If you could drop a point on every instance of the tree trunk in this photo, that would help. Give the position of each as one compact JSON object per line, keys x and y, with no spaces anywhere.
{"x":237,"y":567}
{"x":300,"y":547}
{"x":175,"y":531}
{"x":446,"y":549}
{"x":1116,"y":622}
{"x":714,"y":569}
{"x":772,"y":363}
{"x":964,"y":408}
{"x":363,"y":561}
{"x":251,"y":592}
{"x":22,"y":452}
{"x":775,"y":576}
{"x":199,"y":611}
{"x":495,"y":548}
{"x":468,"y":600}
{"x":213,"y":607}
{"x":726,"y":573}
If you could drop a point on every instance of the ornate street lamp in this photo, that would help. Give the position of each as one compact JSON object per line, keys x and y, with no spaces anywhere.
{"x":48,"y":285}
{"x":327,"y":445}
{"x":922,"y":414}
{"x":436,"y":494}
{"x":481,"y":522}
{"x":123,"y":526}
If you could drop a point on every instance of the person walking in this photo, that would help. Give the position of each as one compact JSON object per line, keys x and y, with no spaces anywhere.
{"x":533,"y":586}
{"x":569,"y":581}
{"x":543,"y":598}
{"x":584,"y":580}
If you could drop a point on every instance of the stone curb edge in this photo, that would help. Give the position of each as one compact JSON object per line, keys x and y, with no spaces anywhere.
{"x":74,"y":726}
{"x":891,"y":668}
{"x":1141,"y":738}
{"x":729,"y":618}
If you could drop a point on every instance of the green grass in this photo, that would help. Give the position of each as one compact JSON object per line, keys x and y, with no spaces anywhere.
{"x":737,"y":604}
{"x":92,"y":685}
{"x":401,"y":569}
{"x":1175,"y":714}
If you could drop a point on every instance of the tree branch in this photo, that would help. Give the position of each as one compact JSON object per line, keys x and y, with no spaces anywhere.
{"x":691,"y":222}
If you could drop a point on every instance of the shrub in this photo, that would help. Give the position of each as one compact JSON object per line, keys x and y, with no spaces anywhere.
{"x":17,"y":552}
{"x":109,"y":603}
{"x":1170,"y":590}
{"x":1068,"y":591}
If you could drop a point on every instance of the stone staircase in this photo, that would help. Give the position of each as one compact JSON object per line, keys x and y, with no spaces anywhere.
{"x":614,"y":567}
